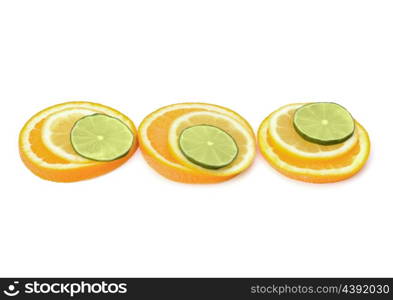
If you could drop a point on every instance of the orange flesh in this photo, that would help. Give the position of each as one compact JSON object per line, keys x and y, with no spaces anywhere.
{"x":86,"y":171}
{"x":38,"y":147}
{"x":82,"y":172}
{"x":318,"y":166}
{"x":157,"y":134}
{"x":159,"y":128}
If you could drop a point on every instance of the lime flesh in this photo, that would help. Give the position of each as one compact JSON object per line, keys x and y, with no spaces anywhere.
{"x":208,"y":146}
{"x":324,"y":123}
{"x":101,"y":137}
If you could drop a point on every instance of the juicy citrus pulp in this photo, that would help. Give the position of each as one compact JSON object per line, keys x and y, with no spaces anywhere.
{"x":157,"y":144}
{"x":245,"y":141}
{"x":208,"y":146}
{"x":56,"y":130}
{"x":314,"y":170}
{"x":101,"y":137}
{"x":324,"y":123}
{"x":285,"y":138}
{"x":62,"y":165}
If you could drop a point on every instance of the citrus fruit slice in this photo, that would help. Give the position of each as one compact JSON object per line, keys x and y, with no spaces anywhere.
{"x":316,"y":171}
{"x":243,"y":150}
{"x":154,"y":140}
{"x":56,"y":130}
{"x":101,"y":137}
{"x":49,"y":165}
{"x":324,"y":123}
{"x":285,"y":138}
{"x":208,"y":146}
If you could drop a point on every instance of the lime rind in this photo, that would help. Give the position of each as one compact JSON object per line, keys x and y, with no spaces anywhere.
{"x":208,"y":146}
{"x":324,"y":123}
{"x":100,"y":137}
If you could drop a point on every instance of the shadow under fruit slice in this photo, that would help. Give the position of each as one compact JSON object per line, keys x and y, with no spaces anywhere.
{"x":100,"y":137}
{"x":51,"y":166}
{"x":208,"y":146}
{"x":324,"y":123}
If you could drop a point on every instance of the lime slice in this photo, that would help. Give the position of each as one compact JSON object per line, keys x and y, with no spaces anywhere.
{"x":208,"y":146}
{"x":324,"y":123}
{"x":101,"y":137}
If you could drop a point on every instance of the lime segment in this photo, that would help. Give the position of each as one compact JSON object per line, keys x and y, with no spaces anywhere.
{"x":208,"y":146}
{"x":101,"y":137}
{"x":324,"y":123}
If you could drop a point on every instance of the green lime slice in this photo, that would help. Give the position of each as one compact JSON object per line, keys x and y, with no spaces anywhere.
{"x":208,"y":146}
{"x":101,"y":137}
{"x":324,"y":123}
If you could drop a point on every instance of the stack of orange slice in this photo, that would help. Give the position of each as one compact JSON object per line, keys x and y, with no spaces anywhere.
{"x":159,"y":133}
{"x":299,"y":159}
{"x":45,"y":147}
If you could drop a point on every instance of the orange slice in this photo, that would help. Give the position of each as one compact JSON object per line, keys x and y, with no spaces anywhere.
{"x":49,"y":155}
{"x":316,"y":171}
{"x":154,"y":141}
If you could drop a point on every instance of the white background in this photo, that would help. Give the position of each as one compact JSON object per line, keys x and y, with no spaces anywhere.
{"x":251,"y":56}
